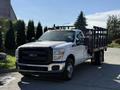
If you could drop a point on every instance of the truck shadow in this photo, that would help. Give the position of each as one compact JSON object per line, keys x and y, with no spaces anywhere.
{"x":86,"y":76}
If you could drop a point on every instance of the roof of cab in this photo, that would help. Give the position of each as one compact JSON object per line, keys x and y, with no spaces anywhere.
{"x":65,"y":30}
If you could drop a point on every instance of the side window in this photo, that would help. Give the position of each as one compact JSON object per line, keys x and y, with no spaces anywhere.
{"x":80,"y":39}
{"x":79,"y":36}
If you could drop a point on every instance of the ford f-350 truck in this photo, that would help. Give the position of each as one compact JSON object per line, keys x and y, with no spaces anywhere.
{"x":59,"y":51}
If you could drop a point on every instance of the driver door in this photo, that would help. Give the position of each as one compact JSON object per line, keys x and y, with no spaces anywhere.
{"x":79,"y":48}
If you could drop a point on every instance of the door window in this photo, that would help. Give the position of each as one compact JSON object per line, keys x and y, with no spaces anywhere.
{"x":80,"y":39}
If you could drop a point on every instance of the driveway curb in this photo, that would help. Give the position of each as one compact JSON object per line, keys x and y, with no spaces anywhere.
{"x":2,"y":71}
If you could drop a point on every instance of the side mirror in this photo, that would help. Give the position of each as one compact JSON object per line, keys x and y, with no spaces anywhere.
{"x":80,"y":42}
{"x":77,"y":42}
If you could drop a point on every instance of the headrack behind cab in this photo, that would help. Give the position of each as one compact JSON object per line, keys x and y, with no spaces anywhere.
{"x":97,"y":38}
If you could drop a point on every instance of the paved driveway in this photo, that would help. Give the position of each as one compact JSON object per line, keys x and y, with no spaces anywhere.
{"x":87,"y":77}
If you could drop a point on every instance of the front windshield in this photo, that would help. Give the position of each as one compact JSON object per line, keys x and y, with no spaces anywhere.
{"x":67,"y":36}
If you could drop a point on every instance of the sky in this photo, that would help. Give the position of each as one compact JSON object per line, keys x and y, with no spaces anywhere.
{"x":65,"y":12}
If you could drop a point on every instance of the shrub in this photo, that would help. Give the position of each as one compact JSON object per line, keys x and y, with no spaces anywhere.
{"x":117,"y":41}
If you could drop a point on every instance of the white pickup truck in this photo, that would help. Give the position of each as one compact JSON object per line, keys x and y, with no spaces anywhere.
{"x":59,"y":51}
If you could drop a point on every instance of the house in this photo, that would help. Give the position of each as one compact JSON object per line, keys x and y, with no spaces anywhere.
{"x":6,"y":10}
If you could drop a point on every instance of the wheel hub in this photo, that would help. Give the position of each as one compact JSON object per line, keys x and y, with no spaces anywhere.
{"x":70,"y":70}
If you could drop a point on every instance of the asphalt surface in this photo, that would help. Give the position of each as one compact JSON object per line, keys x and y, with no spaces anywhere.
{"x":86,"y":77}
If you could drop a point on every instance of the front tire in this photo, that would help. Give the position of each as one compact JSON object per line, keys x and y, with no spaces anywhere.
{"x":69,"y":69}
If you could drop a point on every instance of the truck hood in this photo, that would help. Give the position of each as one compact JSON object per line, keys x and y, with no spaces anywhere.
{"x":52,"y":44}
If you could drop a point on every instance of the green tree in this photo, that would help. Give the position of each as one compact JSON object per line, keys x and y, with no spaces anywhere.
{"x":80,"y":22}
{"x":113,"y":26}
{"x":45,"y":29}
{"x":10,"y":38}
{"x":30,"y":31}
{"x":39,"y":31}
{"x":20,"y":33}
{"x":3,"y":29}
{"x":4,"y":24}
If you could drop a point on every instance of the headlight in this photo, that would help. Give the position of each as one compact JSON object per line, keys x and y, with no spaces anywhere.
{"x":58,"y":54}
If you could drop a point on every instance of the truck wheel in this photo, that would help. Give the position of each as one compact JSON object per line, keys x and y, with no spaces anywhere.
{"x":69,"y":68}
{"x":98,"y":58}
{"x":102,"y":55}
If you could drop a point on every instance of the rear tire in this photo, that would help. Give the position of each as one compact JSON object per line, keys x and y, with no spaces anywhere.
{"x":102,"y":55}
{"x":69,"y":69}
{"x":98,"y":58}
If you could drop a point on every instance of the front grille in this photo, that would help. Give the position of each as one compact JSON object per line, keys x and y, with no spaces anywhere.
{"x":36,"y":56}
{"x":33,"y":68}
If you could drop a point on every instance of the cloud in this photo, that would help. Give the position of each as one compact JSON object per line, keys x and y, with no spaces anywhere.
{"x":100,"y":19}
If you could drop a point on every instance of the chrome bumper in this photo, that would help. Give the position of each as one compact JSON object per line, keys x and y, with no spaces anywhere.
{"x":49,"y":67}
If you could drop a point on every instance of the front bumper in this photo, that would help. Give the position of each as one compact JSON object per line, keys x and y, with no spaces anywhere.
{"x":51,"y":68}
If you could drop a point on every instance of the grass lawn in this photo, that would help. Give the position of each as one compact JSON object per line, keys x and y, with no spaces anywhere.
{"x":114,"y":45}
{"x":9,"y":63}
